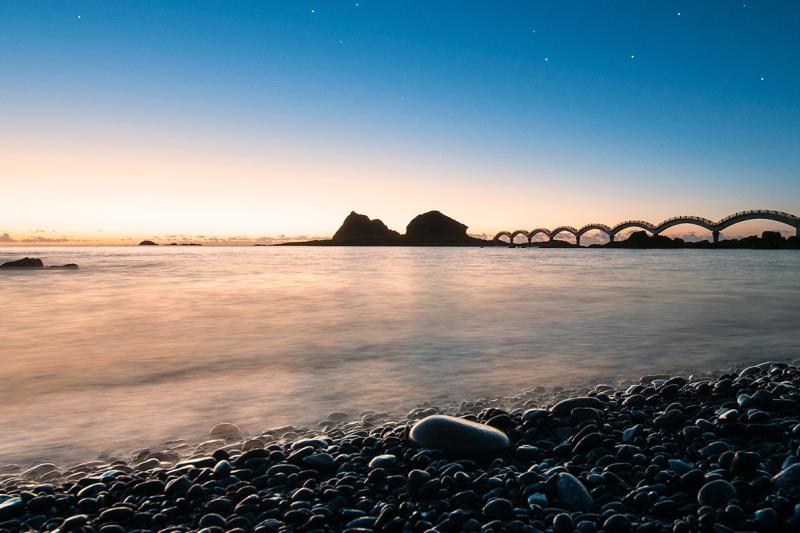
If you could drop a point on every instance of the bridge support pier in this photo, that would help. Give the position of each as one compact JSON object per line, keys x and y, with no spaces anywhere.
{"x":797,"y":232}
{"x":577,"y":240}
{"x":611,"y":238}
{"x":715,"y":235}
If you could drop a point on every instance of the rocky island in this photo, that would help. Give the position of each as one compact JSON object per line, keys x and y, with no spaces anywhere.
{"x":428,"y":229}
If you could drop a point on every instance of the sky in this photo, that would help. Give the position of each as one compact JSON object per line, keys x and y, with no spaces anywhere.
{"x":229,"y":122}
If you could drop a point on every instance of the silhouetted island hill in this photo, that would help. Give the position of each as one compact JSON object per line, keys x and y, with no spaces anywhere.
{"x":428,"y":229}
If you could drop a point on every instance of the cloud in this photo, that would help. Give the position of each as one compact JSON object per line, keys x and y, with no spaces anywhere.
{"x":5,"y":237}
{"x":49,"y":239}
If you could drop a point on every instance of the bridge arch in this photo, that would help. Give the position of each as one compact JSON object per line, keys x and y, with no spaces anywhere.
{"x":566,"y":229}
{"x":594,"y":226}
{"x":642,"y":224}
{"x":519,"y":232}
{"x":502,"y":234}
{"x":534,"y":232}
{"x":704,"y":223}
{"x":760,"y":214}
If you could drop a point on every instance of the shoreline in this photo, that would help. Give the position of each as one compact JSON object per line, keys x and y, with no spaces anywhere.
{"x":670,"y":453}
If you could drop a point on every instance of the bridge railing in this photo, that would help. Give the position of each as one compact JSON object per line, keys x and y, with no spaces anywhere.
{"x":788,"y":218}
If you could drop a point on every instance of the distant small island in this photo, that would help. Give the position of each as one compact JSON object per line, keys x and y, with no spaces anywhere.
{"x":151,"y":243}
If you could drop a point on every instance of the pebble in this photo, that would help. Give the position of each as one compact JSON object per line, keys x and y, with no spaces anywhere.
{"x":572,"y":493}
{"x":458,"y":436}
{"x":565,"y":407}
{"x":716,"y":493}
{"x":225,"y":431}
{"x":788,"y":480}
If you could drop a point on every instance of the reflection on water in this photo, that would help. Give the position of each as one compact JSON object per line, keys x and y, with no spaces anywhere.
{"x":144,"y":344}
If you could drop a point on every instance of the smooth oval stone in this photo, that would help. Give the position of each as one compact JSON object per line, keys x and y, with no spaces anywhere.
{"x":92,"y":490}
{"x":225,"y":431}
{"x":788,"y":480}
{"x":716,"y":493}
{"x":565,"y":407}
{"x":572,"y":493}
{"x":319,"y":460}
{"x":498,"y":508}
{"x":383,"y":461}
{"x":11,"y":507}
{"x":458,"y":436}
{"x":177,"y":486}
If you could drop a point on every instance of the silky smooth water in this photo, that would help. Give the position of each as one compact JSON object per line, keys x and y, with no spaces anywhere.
{"x":144,"y":344}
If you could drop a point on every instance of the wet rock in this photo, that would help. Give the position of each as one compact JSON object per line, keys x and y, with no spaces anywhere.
{"x":565,"y":407}
{"x":572,"y":493}
{"x":788,"y":480}
{"x":383,"y":461}
{"x":458,"y":436}
{"x":716,"y":493}
{"x":25,"y":262}
{"x":225,"y":431}
{"x":498,"y":508}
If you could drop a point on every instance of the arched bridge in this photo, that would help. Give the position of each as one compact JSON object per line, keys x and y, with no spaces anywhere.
{"x":655,"y":229}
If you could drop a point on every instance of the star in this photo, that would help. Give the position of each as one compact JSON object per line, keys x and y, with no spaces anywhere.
{"x":633,"y":56}
{"x":79,"y":17}
{"x":546,"y":59}
{"x":313,"y":11}
{"x":763,"y":78}
{"x":340,"y":41}
{"x":679,"y":13}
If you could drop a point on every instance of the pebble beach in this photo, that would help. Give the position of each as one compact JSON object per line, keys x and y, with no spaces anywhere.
{"x":669,"y":453}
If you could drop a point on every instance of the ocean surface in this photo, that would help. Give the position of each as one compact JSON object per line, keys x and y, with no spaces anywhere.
{"x":144,"y":344}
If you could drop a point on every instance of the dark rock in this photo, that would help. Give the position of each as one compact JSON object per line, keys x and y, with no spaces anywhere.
{"x":498,"y":508}
{"x":147,"y":243}
{"x":788,"y":480}
{"x":617,"y":523}
{"x":572,"y":493}
{"x":716,"y":493}
{"x":383,"y":461}
{"x":565,"y":407}
{"x":11,"y":507}
{"x":68,"y":266}
{"x":745,"y":463}
{"x":26,"y":262}
{"x":458,"y":436}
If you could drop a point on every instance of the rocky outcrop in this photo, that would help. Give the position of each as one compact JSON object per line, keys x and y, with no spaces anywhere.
{"x":32,"y":263}
{"x":148,"y":243}
{"x":360,"y":229}
{"x":26,"y":262}
{"x":435,"y":226}
{"x":428,"y":229}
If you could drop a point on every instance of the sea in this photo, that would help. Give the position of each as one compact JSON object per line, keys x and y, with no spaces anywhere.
{"x":146,"y":344}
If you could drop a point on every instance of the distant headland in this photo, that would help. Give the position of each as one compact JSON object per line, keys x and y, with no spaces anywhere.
{"x":437,"y":229}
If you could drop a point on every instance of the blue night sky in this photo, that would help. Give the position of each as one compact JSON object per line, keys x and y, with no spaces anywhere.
{"x":257,"y":118}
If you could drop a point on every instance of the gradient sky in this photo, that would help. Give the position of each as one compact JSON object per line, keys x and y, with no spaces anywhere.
{"x":123,"y":120}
